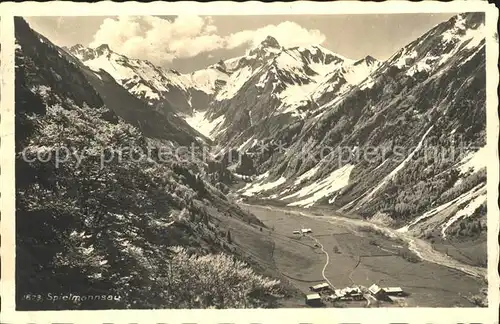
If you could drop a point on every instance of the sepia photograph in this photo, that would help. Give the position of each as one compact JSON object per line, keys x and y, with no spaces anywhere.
{"x":251,"y":161}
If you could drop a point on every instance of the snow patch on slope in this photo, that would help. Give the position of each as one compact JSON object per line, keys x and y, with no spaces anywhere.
{"x":465,"y":212}
{"x":422,"y":66}
{"x":404,"y":58}
{"x":355,"y":74}
{"x":205,"y":80}
{"x":234,"y":83}
{"x":317,"y":190}
{"x":288,"y":61}
{"x":244,"y":144}
{"x":323,"y":69}
{"x":294,"y":96}
{"x":435,"y":211}
{"x":261,"y":186}
{"x":203,"y":125}
{"x":474,"y":161}
{"x":117,"y":71}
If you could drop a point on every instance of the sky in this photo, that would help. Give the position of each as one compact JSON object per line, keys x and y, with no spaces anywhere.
{"x":189,"y":43}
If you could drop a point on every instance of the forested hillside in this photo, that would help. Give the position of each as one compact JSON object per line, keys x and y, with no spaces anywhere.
{"x":149,"y":229}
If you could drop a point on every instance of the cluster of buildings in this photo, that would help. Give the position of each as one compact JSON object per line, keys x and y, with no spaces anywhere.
{"x":324,"y":292}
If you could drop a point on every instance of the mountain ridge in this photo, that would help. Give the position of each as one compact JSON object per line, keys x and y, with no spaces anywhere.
{"x":398,"y":102}
{"x":297,"y":94}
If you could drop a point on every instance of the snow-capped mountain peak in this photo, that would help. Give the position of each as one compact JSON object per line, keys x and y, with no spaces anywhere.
{"x":140,"y":77}
{"x":268,"y":61}
{"x":103,"y":49}
{"x":76,"y":47}
{"x":360,"y":70}
{"x":369,"y":60}
{"x":267,"y":48}
{"x":270,"y":42}
{"x":461,"y":33}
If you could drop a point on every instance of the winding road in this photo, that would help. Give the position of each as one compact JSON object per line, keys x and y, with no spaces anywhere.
{"x":327,"y":259}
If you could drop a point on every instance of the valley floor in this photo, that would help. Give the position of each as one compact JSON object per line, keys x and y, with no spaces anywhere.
{"x":363,"y":257}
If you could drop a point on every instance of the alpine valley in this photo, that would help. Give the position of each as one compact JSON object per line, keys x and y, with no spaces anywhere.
{"x":391,"y":152}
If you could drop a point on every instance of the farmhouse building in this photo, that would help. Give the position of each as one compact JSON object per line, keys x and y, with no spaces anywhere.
{"x":376,"y":291}
{"x":394,"y":291}
{"x":313,"y":300}
{"x":320,"y":287}
{"x":306,"y":230}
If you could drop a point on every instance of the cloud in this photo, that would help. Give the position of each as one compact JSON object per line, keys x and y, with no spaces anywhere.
{"x":287,"y":33}
{"x":157,"y":39}
{"x":160,"y":41}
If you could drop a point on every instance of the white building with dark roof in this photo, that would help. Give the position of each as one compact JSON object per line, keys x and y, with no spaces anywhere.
{"x":374,"y":289}
{"x":320,"y":287}
{"x":393,"y":291}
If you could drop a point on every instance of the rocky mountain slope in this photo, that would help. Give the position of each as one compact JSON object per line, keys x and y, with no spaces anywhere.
{"x":405,"y":145}
{"x":273,"y":87}
{"x":141,"y":78}
{"x":98,"y":211}
{"x":400,"y":141}
{"x":182,"y":93}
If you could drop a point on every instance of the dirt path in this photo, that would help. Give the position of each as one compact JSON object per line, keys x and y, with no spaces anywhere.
{"x":327,"y":260}
{"x":353,"y":269}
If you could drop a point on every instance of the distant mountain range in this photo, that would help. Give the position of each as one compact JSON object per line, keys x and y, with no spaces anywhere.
{"x":309,"y":97}
{"x":292,"y":76}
